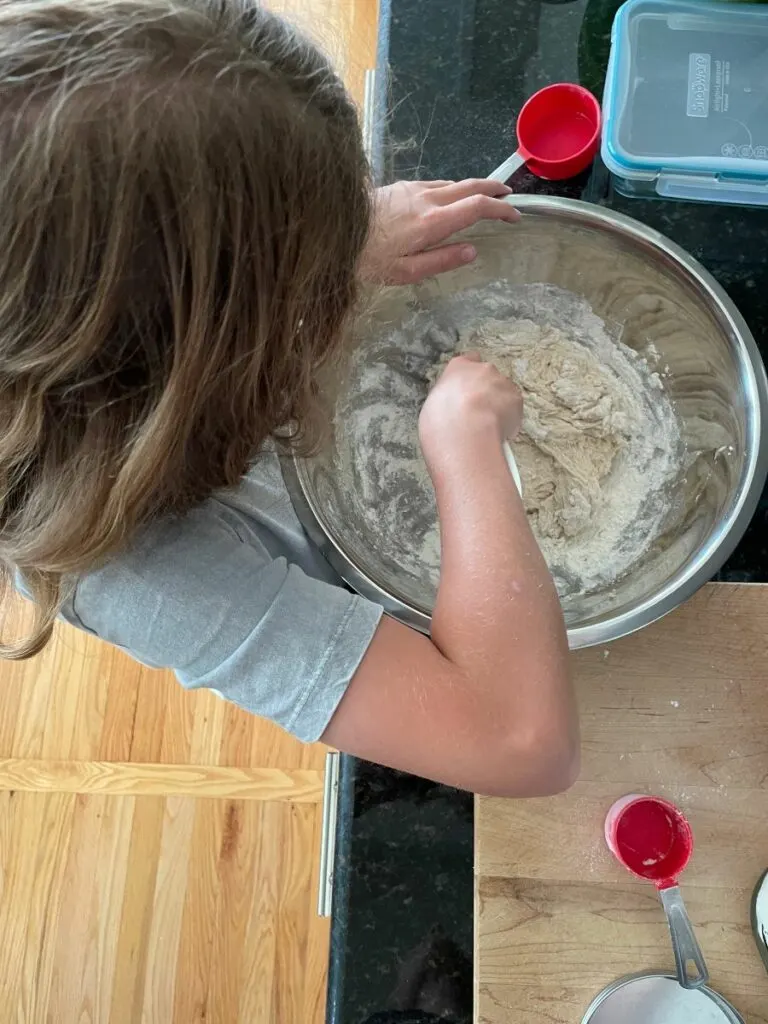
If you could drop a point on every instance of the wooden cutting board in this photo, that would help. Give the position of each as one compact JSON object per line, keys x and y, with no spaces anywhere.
{"x":681,"y":710}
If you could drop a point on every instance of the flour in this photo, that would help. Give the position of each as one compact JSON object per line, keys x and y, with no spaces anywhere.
{"x":599,"y":448}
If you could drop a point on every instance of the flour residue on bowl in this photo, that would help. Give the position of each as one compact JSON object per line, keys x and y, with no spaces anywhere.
{"x":599,"y":448}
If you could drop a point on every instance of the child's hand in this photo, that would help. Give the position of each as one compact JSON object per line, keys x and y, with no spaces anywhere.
{"x":414,"y":218}
{"x":471,"y":403}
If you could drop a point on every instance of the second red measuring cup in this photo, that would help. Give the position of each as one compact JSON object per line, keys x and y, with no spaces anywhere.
{"x":654,"y":841}
{"x":558,"y":133}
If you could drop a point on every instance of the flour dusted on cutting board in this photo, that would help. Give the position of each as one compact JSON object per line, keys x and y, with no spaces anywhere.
{"x":599,"y":446}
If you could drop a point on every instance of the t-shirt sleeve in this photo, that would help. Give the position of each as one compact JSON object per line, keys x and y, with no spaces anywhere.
{"x":223,"y":616}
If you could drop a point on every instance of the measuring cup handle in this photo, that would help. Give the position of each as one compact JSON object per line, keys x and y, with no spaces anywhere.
{"x":691,"y":969}
{"x":505,"y":171}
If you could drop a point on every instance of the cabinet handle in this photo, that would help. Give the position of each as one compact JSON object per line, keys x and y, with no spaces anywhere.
{"x":328,"y":835}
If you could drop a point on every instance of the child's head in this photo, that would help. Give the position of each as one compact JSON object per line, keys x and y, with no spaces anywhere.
{"x":183,"y":202}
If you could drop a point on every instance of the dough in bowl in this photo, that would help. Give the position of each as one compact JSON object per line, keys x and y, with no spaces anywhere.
{"x":576,"y":419}
{"x":599,"y":452}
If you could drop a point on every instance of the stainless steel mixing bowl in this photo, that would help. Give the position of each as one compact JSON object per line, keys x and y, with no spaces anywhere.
{"x":635,"y":279}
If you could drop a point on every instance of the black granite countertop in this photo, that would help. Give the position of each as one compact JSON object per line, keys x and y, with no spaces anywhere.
{"x":458,"y":73}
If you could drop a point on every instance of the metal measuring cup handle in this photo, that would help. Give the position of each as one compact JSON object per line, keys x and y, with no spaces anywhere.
{"x":689,"y":960}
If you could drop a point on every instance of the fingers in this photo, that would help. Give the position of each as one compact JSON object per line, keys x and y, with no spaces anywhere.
{"x":452,"y":192}
{"x":435,"y":184}
{"x":412,"y":269}
{"x":457,"y":359}
{"x":442,"y":222}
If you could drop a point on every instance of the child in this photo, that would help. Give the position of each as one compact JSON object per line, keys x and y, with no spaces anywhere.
{"x":185,"y":211}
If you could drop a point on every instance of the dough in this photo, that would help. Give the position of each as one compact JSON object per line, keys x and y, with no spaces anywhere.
{"x":600,"y":452}
{"x":573,"y":423}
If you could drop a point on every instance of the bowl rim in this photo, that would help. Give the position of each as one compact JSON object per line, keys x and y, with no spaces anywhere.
{"x":721,"y":541}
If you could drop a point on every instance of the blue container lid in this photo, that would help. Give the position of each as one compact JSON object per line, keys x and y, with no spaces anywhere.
{"x":686,"y":98}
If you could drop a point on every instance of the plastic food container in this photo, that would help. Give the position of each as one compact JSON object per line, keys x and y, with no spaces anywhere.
{"x":686,"y":101}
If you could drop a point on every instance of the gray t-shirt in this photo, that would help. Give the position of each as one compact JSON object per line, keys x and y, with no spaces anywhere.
{"x":234,"y":598}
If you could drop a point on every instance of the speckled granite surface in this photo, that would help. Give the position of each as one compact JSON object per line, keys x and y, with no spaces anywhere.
{"x":402,"y":916}
{"x":459,"y":71}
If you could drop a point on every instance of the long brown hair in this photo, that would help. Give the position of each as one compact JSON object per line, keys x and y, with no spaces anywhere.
{"x":183,"y":201}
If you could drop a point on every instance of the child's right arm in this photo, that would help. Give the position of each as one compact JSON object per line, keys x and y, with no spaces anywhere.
{"x":486,"y":704}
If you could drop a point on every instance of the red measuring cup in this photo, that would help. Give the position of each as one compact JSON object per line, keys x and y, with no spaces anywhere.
{"x":652,"y":839}
{"x":558,"y":134}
